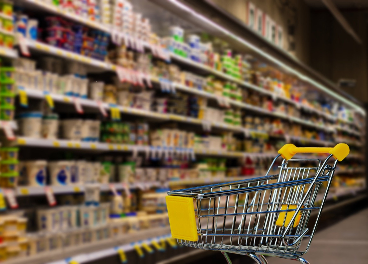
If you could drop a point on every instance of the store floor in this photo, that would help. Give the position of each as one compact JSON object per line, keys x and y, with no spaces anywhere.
{"x":342,"y":243}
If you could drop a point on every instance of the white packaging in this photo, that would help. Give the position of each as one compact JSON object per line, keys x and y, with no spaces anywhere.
{"x":96,"y":171}
{"x":83,"y":88}
{"x":92,"y":193}
{"x":74,"y":172}
{"x":50,"y":126}
{"x":96,"y":90}
{"x":30,"y":124}
{"x":36,"y":172}
{"x":72,"y":129}
{"x":59,"y":173}
{"x":82,"y":171}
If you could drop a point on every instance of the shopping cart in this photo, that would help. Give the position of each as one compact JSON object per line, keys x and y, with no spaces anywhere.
{"x":265,"y":216}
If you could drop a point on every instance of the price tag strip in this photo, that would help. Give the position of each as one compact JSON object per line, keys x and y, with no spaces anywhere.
{"x":9,"y":133}
{"x":10,"y":197}
{"x":139,"y":251}
{"x":49,"y":100}
{"x":23,"y":98}
{"x":50,"y":196}
{"x":147,"y":248}
{"x":122,"y":255}
{"x":2,"y":201}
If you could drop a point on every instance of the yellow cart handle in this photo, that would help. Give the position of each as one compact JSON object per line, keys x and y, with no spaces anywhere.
{"x":339,"y":152}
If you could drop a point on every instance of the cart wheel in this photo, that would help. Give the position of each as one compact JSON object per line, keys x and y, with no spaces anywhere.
{"x":263,"y":259}
{"x":228,"y":260}
{"x":303,"y":261}
{"x":256,"y":258}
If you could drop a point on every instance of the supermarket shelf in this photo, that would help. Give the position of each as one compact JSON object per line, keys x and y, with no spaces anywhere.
{"x":44,"y":5}
{"x":23,"y":191}
{"x":9,"y":53}
{"x":350,"y":171}
{"x":97,"y":250}
{"x":335,"y":193}
{"x":248,"y":85}
{"x":36,"y":45}
{"x":156,"y":151}
{"x":207,"y":180}
{"x":350,"y":131}
{"x":111,"y":67}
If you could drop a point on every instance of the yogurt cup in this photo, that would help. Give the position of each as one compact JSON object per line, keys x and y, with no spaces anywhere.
{"x":72,"y":129}
{"x":9,"y":180}
{"x":9,"y":166}
{"x":7,"y":99}
{"x":96,"y":90}
{"x":50,"y":127}
{"x":9,"y":154}
{"x":7,"y":86}
{"x":30,"y":124}
{"x":7,"y":113}
{"x":59,"y":173}
{"x":36,"y":172}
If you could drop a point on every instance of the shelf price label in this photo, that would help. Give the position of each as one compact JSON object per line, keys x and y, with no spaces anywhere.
{"x":157,"y":246}
{"x":115,"y":113}
{"x":147,"y":248}
{"x":49,"y":100}
{"x":10,"y":197}
{"x":78,"y":105}
{"x":23,"y":98}
{"x":139,"y":251}
{"x":122,"y":256}
{"x":9,"y":133}
{"x":2,"y":201}
{"x":172,"y":242}
{"x":50,"y":196}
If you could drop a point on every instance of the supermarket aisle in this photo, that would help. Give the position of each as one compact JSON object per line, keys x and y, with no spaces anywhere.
{"x":342,"y":243}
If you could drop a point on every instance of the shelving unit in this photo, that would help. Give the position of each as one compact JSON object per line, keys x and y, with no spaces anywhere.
{"x":324,"y":123}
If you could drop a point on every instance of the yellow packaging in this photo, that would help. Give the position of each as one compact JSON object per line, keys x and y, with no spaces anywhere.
{"x":10,"y":223}
{"x":12,"y":252}
{"x":22,"y":225}
{"x":3,"y":255}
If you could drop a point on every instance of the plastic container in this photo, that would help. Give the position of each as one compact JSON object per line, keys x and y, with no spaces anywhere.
{"x":6,"y":73}
{"x":72,"y":129}
{"x":22,"y":225}
{"x":59,"y":173}
{"x":9,"y":180}
{"x":7,"y":86}
{"x":50,"y":125}
{"x":10,"y":154}
{"x":8,"y":40}
{"x":92,"y":194}
{"x":30,"y":124}
{"x":7,"y":25}
{"x":9,"y":166}
{"x":126,"y":172}
{"x":36,"y":172}
{"x":117,"y":205}
{"x":7,"y":113}
{"x":96,"y":91}
{"x":7,"y":99}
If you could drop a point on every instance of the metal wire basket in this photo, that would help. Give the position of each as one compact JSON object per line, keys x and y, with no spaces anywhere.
{"x":260,"y":216}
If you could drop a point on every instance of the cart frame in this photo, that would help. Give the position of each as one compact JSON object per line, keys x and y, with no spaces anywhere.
{"x":268,"y":227}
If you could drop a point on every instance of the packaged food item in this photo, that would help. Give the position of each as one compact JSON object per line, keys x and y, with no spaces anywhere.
{"x":7,"y":86}
{"x":117,"y":205}
{"x":36,"y":172}
{"x":72,"y":129}
{"x":127,"y":172}
{"x":59,"y":172}
{"x":7,"y":113}
{"x":9,"y":180}
{"x":96,"y":91}
{"x":7,"y":99}
{"x":50,"y":125}
{"x":10,"y":154}
{"x":9,"y":166}
{"x":92,"y":194}
{"x":30,"y":124}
